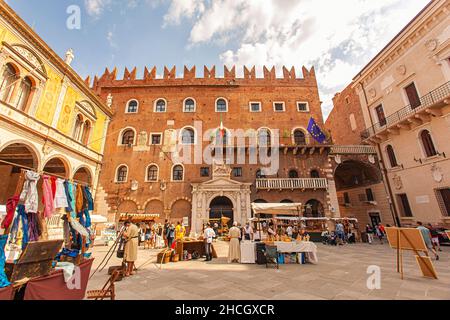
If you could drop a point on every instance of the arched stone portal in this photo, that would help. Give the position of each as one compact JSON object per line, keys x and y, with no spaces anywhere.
{"x":220,"y":186}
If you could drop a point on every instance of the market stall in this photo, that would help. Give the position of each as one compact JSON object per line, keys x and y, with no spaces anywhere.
{"x":25,"y":253}
{"x":289,"y":250}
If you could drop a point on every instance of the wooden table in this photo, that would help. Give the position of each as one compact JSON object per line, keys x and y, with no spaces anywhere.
{"x":192,"y":246}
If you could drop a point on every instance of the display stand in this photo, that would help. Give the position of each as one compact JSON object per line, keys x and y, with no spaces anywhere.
{"x":35,"y":260}
{"x":412,"y":240}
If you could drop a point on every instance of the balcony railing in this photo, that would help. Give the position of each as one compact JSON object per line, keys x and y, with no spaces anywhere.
{"x":428,"y":100}
{"x":354,"y":149}
{"x":291,"y":184}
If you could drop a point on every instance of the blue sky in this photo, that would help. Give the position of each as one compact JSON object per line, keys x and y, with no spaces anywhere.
{"x":337,"y":37}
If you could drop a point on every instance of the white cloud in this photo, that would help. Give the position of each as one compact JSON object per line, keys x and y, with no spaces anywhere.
{"x":338,"y":37}
{"x":183,"y":8}
{"x":96,"y":7}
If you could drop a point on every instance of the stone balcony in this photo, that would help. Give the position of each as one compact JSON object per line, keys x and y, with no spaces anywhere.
{"x":291,"y":184}
{"x":40,"y":129}
{"x":430,"y":105}
{"x":353,"y":149}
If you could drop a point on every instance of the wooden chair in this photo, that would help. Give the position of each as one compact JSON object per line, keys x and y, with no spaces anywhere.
{"x":108,"y":290}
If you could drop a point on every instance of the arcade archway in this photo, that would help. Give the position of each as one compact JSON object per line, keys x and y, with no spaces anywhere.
{"x":14,"y":158}
{"x":354,"y":174}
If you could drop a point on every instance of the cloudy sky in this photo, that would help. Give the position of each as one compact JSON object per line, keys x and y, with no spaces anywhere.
{"x":337,"y":37}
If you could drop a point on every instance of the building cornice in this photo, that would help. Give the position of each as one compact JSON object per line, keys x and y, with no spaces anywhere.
{"x":433,"y":14}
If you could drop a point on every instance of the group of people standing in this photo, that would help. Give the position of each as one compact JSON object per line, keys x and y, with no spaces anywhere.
{"x":157,"y":235}
{"x":377,"y":231}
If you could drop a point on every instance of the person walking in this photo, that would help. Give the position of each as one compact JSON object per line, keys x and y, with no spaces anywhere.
{"x":165,"y":231}
{"x":208,"y":235}
{"x":379,"y":231}
{"x":434,"y":237}
{"x":426,"y":234}
{"x":369,"y":233}
{"x":130,"y":235}
{"x":340,"y":233}
{"x":170,"y":235}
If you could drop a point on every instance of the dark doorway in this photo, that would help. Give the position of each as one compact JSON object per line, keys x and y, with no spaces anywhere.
{"x":221,"y":207}
{"x":375,"y":218}
{"x":313,"y":208}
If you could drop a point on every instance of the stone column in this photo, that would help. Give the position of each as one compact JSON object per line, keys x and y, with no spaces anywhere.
{"x":60,"y":102}
{"x":194,"y":212}
{"x":238,"y":209}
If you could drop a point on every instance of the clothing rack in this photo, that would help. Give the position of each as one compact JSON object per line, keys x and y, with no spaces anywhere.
{"x":25,"y":168}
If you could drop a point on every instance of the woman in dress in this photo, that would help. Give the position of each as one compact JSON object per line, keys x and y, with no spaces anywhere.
{"x":234,"y":252}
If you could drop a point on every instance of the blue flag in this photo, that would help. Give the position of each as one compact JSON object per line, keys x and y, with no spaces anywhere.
{"x":316,"y":132}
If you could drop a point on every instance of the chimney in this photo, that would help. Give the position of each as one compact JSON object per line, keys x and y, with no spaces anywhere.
{"x":69,"y":56}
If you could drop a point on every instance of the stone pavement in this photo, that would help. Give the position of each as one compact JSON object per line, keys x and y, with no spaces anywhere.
{"x":340,"y":274}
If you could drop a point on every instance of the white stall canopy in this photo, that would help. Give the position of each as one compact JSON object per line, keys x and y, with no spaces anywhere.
{"x":293,"y":209}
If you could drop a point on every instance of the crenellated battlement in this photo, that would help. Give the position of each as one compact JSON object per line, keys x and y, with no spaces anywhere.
{"x":189,"y":77}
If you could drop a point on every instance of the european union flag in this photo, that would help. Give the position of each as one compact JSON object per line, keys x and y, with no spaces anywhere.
{"x":316,"y":132}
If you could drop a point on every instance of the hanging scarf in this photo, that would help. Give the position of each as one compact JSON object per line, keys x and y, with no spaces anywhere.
{"x":3,"y":279}
{"x":29,"y":193}
{"x":60,"y":194}
{"x":89,"y":198}
{"x":47,"y":197}
{"x":79,"y":200}
{"x":34,"y":226}
{"x":11,"y":206}
{"x":19,"y":229}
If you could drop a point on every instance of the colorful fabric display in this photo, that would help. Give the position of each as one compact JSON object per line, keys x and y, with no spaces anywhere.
{"x":79,"y":199}
{"x":90,"y":200}
{"x":29,"y":193}
{"x":67,"y":190}
{"x":60,"y":194}
{"x":34,"y":226}
{"x":3,"y":279}
{"x":19,"y":229}
{"x":47,"y":197}
{"x":11,"y":206}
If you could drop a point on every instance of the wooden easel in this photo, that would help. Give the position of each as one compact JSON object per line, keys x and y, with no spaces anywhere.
{"x":407,"y":244}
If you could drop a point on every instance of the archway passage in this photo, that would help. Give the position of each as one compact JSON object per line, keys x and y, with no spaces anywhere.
{"x":20,"y":155}
{"x":353,"y":173}
{"x":221,"y":207}
{"x":314,"y":209}
{"x":57,"y":167}
{"x":83,"y":175}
